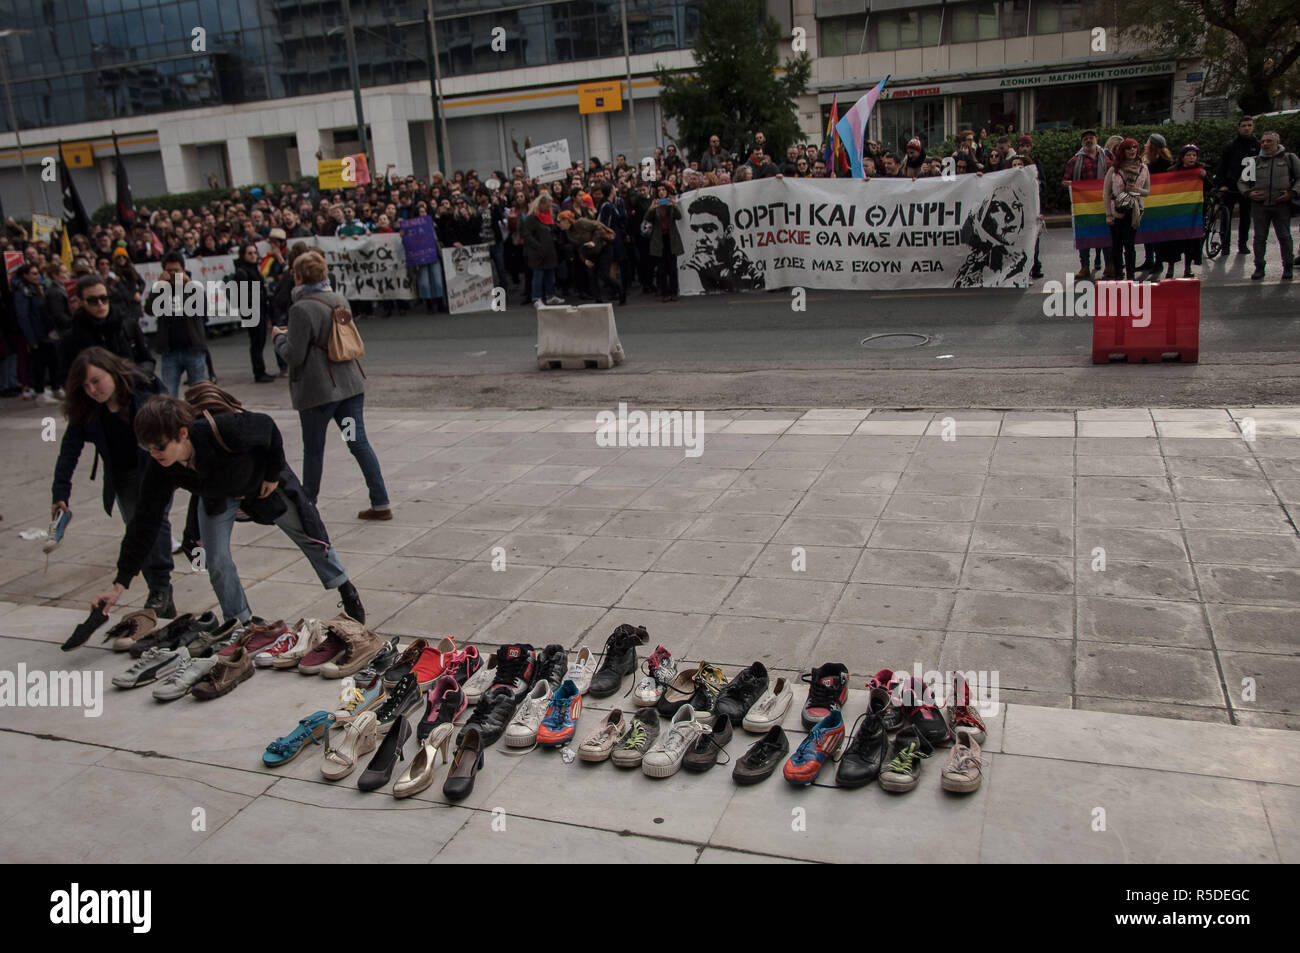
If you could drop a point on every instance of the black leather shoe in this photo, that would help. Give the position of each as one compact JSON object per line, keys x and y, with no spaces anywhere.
{"x":491,"y":715}
{"x":865,"y":755}
{"x":552,"y":665}
{"x":738,"y":697}
{"x":160,"y":601}
{"x":468,"y":760}
{"x":619,"y":659}
{"x":380,"y":769}
{"x":762,"y":758}
{"x":704,"y":753}
{"x":351,"y":602}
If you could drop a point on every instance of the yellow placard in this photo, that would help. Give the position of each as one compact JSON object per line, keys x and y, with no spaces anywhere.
{"x":330,"y":173}
{"x":78,"y":155}
{"x":43,"y":227}
{"x":600,"y":97}
{"x":345,"y":173}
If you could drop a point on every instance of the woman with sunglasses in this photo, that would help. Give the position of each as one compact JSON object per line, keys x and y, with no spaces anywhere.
{"x":104,"y":392}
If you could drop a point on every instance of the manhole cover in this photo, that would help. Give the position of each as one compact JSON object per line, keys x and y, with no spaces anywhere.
{"x":896,"y":340}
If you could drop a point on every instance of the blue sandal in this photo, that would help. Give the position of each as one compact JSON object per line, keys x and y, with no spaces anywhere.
{"x":311,"y":729}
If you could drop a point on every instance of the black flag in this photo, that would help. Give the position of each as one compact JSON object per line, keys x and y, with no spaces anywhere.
{"x":125,"y":202}
{"x":75,"y":219}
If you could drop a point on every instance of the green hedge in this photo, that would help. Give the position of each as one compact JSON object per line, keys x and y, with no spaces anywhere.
{"x":1053,"y":148}
{"x":107,"y":214}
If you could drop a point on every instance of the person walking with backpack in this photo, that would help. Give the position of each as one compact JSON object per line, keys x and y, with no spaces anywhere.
{"x":230,"y":460}
{"x":1271,"y":190}
{"x":326,"y":382}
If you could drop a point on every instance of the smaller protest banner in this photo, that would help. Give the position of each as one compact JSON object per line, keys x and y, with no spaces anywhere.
{"x":468,"y":271}
{"x":419,"y":240}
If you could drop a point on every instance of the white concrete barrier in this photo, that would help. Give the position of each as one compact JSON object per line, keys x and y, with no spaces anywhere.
{"x":577,"y":336}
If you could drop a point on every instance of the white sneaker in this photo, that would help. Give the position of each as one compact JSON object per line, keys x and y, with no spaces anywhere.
{"x":522,"y":731}
{"x":45,"y":397}
{"x":580,"y":672}
{"x":310,"y":634}
{"x":280,"y":646}
{"x":554,"y":300}
{"x":29,"y":394}
{"x":538,"y":302}
{"x":771,"y":707}
{"x":659,"y":673}
{"x":665,"y":756}
{"x":480,"y":681}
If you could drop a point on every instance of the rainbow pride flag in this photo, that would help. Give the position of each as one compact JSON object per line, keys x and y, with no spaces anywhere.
{"x":1174,"y":210}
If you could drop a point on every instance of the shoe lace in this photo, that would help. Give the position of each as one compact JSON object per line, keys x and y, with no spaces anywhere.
{"x":559,"y":713}
{"x":511,"y":670}
{"x":395,"y":700}
{"x":860,"y":739}
{"x":150,"y":655}
{"x":620,"y":638}
{"x":809,"y":745}
{"x":963,"y":759}
{"x":283,"y":644}
{"x":819,"y":695}
{"x":483,"y":710}
{"x":964,"y":717}
{"x":685,"y":735}
{"x":350,"y":699}
{"x":903,"y":761}
{"x":636,"y":736}
{"x":186,"y":663}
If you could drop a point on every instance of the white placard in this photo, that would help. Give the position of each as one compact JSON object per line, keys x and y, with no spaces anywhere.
{"x":549,"y":161}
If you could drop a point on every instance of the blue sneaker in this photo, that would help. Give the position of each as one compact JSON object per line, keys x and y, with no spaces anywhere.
{"x":353,"y":701}
{"x":820,"y":745}
{"x":561,"y":719}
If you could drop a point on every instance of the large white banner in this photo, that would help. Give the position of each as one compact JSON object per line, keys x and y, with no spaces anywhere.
{"x":968,"y":232}
{"x":548,"y":161}
{"x":468,"y":271}
{"x":366,"y":268}
{"x":212,"y":272}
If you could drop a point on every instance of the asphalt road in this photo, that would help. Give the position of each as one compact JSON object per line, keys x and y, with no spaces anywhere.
{"x":983,"y":348}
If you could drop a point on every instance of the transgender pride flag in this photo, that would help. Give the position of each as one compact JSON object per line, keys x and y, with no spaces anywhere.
{"x":853,"y":127}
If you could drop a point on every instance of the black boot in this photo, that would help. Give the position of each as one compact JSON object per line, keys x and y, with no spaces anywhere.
{"x":160,"y":601}
{"x":619,"y":659}
{"x":351,"y":602}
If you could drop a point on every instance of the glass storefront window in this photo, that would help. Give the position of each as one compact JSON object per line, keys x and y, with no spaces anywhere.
{"x":901,"y":119}
{"x":1144,"y":101}
{"x":993,"y":111}
{"x":1067,"y":107}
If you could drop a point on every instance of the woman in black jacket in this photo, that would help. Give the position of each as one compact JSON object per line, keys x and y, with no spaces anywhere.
{"x":228,"y":461}
{"x":1158,"y":159}
{"x":104,"y":392}
{"x":249,"y":274}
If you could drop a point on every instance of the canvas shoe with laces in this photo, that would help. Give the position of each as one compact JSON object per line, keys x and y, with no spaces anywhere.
{"x":257,"y":638}
{"x":740,"y":694}
{"x":377,"y":666}
{"x":815,"y":750}
{"x":206,"y":644}
{"x":331,"y":648}
{"x":552,"y":663}
{"x":642,"y":732}
{"x":224,"y":677}
{"x":581,"y":670}
{"x":480,"y":681}
{"x":903,"y":770}
{"x":601,"y":743}
{"x":708,"y":748}
{"x":404,"y":697}
{"x":404,"y":663}
{"x":490,"y":717}
{"x":658,"y":670}
{"x":964,"y":770}
{"x":919,"y":710}
{"x":828,"y":690}
{"x":760,"y":761}
{"x":561,"y":720}
{"x":771,"y":707}
{"x":462,"y":665}
{"x":267,"y":656}
{"x":888,"y":681}
{"x":961,"y":715}
{"x":183,"y":679}
{"x":311,"y":633}
{"x":152,"y":665}
{"x":445,"y":703}
{"x":355,"y":700}
{"x":522,"y":730}
{"x":131,"y":628}
{"x":665,"y":756}
{"x":516,"y":670}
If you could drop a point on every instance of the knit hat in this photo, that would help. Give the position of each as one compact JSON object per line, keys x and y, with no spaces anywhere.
{"x":1159,"y":140}
{"x":278,"y":233}
{"x":914,"y":143}
{"x":1025,"y":141}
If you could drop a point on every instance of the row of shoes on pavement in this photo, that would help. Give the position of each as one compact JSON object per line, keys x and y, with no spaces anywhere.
{"x":201,"y":656}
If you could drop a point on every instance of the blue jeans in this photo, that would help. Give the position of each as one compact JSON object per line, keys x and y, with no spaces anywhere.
{"x":315,"y":425}
{"x":214,"y":530}
{"x":194,"y":364}
{"x":543,"y":283}
{"x":428,"y":281}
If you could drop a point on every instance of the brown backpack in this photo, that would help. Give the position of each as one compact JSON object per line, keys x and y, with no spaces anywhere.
{"x":208,"y":399}
{"x":345,"y":342}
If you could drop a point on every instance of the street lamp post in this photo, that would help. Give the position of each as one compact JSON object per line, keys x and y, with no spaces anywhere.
{"x":13,"y":119}
{"x":440,"y":111}
{"x":350,"y":41}
{"x":627,"y":62}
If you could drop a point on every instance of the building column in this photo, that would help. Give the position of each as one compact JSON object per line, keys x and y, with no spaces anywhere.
{"x":390,"y":142}
{"x":180,"y":166}
{"x":598,"y":138}
{"x":247,"y":161}
{"x":310,"y":142}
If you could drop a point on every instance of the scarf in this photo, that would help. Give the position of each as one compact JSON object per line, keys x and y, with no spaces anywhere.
{"x":301,"y":290}
{"x":546,"y":218}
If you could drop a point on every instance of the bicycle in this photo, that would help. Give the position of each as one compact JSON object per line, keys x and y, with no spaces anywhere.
{"x":1217,"y":215}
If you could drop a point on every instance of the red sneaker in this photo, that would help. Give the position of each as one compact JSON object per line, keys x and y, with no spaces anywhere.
{"x":433,"y":662}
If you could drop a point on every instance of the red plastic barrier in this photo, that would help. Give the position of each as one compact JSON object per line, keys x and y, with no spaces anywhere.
{"x":1169,"y":329}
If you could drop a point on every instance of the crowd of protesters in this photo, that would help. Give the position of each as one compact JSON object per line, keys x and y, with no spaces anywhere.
{"x":591,"y":235}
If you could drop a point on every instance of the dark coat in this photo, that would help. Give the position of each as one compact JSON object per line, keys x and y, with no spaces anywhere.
{"x":539,"y":244}
{"x":34,"y":319}
{"x":110,"y":334}
{"x":657,"y":233}
{"x":91,"y":430}
{"x":255,"y":456}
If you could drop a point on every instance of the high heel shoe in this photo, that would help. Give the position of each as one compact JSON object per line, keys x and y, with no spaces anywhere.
{"x":354,"y":738}
{"x":381,"y":765}
{"x":469,"y":758}
{"x":419,"y":775}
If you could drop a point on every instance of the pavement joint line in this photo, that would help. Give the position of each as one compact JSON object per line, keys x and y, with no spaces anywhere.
{"x":1268,"y":819}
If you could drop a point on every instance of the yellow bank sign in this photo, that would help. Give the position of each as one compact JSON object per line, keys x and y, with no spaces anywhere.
{"x":600,"y":97}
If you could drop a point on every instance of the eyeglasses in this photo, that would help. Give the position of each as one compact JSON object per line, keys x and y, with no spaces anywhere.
{"x":95,"y":299}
